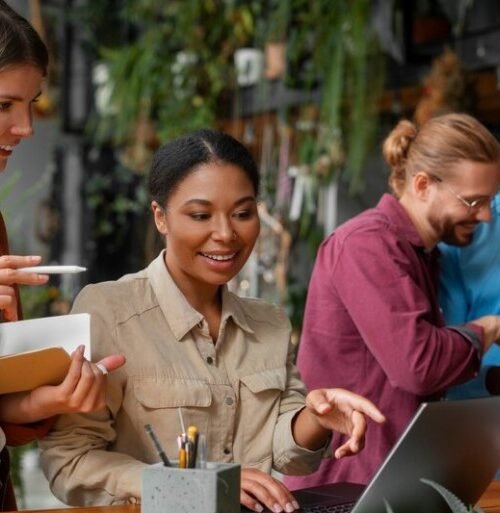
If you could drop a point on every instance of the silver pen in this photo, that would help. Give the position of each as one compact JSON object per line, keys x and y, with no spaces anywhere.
{"x":201,"y":459}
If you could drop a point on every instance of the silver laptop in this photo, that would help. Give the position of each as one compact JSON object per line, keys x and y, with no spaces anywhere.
{"x":453,"y":443}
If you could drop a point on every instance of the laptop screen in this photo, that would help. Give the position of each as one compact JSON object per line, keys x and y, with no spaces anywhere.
{"x":455,"y":444}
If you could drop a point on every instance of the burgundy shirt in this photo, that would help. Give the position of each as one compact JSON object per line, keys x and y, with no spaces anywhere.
{"x":373,"y":325}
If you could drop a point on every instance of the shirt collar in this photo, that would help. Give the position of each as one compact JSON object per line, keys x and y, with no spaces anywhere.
{"x":400,"y":219}
{"x":180,"y":315}
{"x":496,"y":205}
{"x":231,"y":308}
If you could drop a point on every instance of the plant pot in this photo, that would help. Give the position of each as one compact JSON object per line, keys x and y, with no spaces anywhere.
{"x":249,"y":64}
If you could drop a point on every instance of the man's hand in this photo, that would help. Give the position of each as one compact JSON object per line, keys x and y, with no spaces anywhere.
{"x":491,"y":330}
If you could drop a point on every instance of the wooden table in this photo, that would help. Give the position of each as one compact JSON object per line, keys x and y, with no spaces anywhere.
{"x":489,"y":502}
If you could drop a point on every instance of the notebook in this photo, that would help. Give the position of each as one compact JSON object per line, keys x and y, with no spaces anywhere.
{"x":453,"y":443}
{"x":37,"y":352}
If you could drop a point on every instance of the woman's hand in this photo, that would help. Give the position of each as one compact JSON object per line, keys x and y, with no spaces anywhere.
{"x":10,"y":275}
{"x":83,"y":390}
{"x":260,"y":490}
{"x":339,"y":410}
{"x":334,"y":409}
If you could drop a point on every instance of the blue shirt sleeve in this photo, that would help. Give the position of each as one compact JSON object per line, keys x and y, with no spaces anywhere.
{"x":453,"y":293}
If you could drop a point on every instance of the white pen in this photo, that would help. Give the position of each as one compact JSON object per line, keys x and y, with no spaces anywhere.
{"x":53,"y":269}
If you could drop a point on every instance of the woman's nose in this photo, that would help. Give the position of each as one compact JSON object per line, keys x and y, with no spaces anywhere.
{"x":223,"y":230}
{"x":23,"y":125}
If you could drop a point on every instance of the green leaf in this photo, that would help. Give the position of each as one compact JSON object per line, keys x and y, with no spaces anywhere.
{"x":455,"y":504}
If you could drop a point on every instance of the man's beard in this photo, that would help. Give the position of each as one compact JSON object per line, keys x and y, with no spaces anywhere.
{"x":451,"y":234}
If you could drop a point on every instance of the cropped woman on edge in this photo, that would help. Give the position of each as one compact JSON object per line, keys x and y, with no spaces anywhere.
{"x":226,"y":361}
{"x":23,"y":64}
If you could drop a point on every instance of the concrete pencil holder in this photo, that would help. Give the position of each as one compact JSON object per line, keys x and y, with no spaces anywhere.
{"x":215,"y":489}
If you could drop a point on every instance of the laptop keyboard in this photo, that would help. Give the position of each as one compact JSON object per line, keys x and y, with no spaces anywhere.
{"x":329,"y":508}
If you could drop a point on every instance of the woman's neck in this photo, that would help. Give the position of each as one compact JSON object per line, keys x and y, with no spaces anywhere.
{"x":201,"y":296}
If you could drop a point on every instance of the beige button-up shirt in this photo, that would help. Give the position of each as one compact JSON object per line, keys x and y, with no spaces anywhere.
{"x":242,"y":391}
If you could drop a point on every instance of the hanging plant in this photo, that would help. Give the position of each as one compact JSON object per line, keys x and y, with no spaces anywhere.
{"x":179,"y":63}
{"x":348,"y":64}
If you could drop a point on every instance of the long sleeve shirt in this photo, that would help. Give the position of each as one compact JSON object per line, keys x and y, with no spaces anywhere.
{"x":373,"y":325}
{"x":14,"y":434}
{"x":242,"y":392}
{"x":470,"y":284}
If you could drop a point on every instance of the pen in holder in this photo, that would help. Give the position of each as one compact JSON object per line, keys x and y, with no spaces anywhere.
{"x":215,"y":489}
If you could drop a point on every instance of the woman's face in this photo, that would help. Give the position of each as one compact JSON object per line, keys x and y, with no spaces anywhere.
{"x":211,"y":224}
{"x":19,"y":88}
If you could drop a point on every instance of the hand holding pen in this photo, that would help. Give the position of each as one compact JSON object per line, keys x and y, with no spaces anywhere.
{"x":24,"y":270}
{"x":11,"y":275}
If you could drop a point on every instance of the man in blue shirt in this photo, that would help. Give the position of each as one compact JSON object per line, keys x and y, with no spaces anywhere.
{"x":470,"y":288}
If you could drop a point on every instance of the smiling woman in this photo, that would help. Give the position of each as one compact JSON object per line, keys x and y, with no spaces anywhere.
{"x":190,"y":343}
{"x":19,"y":88}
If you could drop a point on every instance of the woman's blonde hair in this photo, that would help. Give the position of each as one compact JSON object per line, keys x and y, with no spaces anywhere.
{"x":436,"y":147}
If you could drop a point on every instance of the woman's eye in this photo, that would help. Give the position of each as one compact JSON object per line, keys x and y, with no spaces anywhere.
{"x":243,"y":214}
{"x":199,"y":216}
{"x":4,"y":105}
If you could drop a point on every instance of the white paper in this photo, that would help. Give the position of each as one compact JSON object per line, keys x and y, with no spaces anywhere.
{"x":66,"y":331}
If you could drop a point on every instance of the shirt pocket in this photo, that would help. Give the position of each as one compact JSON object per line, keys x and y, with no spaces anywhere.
{"x":172,"y":393}
{"x":260,"y":396}
{"x":158,"y":401}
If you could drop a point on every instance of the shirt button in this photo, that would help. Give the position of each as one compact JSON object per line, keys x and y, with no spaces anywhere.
{"x":227,"y":450}
{"x":210,"y":360}
{"x":229,"y":401}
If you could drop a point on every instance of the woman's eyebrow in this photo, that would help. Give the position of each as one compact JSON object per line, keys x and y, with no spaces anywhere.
{"x":17,"y":98}
{"x":200,"y":201}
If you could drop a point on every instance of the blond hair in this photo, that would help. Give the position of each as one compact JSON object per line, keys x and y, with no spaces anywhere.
{"x":436,"y":147}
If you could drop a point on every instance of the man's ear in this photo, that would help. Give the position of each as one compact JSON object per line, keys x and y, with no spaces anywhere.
{"x":421,"y":185}
{"x":159,"y":217}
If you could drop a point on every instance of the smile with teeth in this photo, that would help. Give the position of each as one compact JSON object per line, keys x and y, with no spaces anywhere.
{"x":219,"y":258}
{"x":6,"y":147}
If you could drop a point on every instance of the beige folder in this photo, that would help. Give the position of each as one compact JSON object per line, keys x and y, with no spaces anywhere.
{"x":26,"y":371}
{"x":37,"y":352}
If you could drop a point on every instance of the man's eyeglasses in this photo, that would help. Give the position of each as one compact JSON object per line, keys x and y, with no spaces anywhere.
{"x":472,"y":206}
